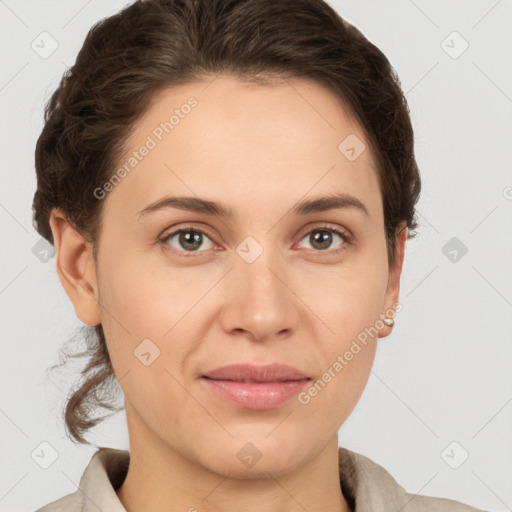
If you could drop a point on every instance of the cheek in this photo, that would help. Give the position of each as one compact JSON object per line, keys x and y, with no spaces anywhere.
{"x":349,"y":304}
{"x":139,"y":309}
{"x":139,"y":291}
{"x":131,"y":311}
{"x":350,"y":298}
{"x":144,"y":302}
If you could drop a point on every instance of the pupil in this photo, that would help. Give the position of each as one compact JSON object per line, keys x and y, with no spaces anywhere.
{"x":191,"y":241}
{"x":323,"y":238}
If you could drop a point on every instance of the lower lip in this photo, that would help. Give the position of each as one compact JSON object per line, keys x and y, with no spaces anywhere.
{"x":256,"y":395}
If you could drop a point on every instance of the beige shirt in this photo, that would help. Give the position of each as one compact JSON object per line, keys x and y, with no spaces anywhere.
{"x":366,"y":486}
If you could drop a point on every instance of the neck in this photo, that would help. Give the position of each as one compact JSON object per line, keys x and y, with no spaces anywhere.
{"x":162,"y":478}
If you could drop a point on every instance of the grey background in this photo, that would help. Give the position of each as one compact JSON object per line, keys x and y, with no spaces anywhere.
{"x":443,"y":376}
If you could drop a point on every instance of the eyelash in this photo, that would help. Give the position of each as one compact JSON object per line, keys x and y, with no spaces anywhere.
{"x":348,"y":239}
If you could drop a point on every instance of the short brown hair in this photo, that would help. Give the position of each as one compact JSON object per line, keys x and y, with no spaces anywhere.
{"x":155,"y":44}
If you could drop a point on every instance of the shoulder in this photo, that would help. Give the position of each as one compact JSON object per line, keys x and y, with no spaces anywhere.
{"x":69,"y":503}
{"x":423,"y":503}
{"x":105,"y":472}
{"x":372,"y":487}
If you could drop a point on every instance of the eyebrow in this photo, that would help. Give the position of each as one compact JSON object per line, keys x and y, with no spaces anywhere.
{"x":195,"y":204}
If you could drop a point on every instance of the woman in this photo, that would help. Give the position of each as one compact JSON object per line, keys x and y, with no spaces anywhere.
{"x":230,"y":186}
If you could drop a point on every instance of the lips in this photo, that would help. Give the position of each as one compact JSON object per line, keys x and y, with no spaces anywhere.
{"x":256,"y":387}
{"x":249,"y":373}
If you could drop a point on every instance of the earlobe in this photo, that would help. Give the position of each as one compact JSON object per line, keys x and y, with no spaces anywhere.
{"x":76,"y":268}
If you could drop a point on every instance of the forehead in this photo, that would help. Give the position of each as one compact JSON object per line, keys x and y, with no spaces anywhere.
{"x":244,"y":143}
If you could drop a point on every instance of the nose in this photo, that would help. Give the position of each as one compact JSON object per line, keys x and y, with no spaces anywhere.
{"x":259,"y":300}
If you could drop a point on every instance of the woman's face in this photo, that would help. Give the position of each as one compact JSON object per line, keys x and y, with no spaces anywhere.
{"x":264,"y":285}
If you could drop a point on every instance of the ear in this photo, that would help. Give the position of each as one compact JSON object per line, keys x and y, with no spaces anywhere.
{"x":76,"y":268}
{"x":395,"y":271}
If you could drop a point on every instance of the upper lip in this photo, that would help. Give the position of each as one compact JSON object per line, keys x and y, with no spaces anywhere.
{"x":248,"y":372}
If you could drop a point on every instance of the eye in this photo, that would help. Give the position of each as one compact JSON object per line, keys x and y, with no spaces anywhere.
{"x":188,"y":239}
{"x":321,"y":238}
{"x":191,"y":239}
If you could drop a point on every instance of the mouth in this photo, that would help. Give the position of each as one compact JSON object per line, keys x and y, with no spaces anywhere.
{"x":251,"y":394}
{"x":256,"y":387}
{"x":252,"y":381}
{"x":246,"y":372}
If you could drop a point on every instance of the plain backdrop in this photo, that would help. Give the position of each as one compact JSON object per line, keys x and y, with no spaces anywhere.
{"x":441,"y":387}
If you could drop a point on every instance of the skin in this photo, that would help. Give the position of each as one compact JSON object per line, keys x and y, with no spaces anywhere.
{"x":258,"y":150}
